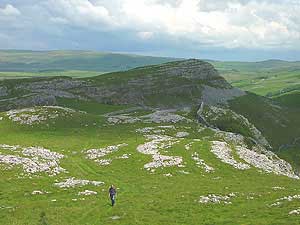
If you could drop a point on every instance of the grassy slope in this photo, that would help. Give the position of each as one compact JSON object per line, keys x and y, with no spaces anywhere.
{"x":278,"y":123}
{"x":290,"y":99}
{"x":143,"y":198}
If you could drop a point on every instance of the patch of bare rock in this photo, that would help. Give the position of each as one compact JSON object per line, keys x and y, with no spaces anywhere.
{"x":257,"y":157}
{"x":37,"y":115}
{"x":267,"y":161}
{"x":98,"y":154}
{"x":163,"y":116}
{"x":182,"y":134}
{"x":33,"y":160}
{"x":153,"y":146}
{"x":217,"y":199}
{"x":72,"y":182}
{"x":223,"y":152}
{"x":295,"y":212}
{"x":201,"y":163}
{"x":87,"y":193}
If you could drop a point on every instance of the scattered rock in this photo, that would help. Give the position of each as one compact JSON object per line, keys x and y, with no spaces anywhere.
{"x":168,"y":175}
{"x":278,"y":188}
{"x":220,"y":95}
{"x":72,"y":182}
{"x":267,"y":161}
{"x":87,"y":192}
{"x":182,"y":134}
{"x":37,"y":115}
{"x":152,"y":147}
{"x":184,"y":172}
{"x":37,"y":160}
{"x":285,"y":198}
{"x":224,"y":153}
{"x":124,"y":156}
{"x":295,"y":212}
{"x":164,"y":116}
{"x":103,"y":162}
{"x":201,"y":163}
{"x":122,"y":119}
{"x":101,"y":152}
{"x":213,"y":115}
{"x":97,"y":154}
{"x":216,"y":199}
{"x":115,"y":217}
{"x":37,"y":192}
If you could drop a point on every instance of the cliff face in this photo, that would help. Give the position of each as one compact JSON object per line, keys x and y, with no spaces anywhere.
{"x":171,"y":85}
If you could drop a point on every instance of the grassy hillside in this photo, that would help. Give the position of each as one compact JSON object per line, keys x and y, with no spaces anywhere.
{"x":278,"y":123}
{"x":290,"y":99}
{"x":168,"y":168}
{"x":144,"y":197}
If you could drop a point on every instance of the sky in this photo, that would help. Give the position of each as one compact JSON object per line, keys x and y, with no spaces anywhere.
{"x":242,"y":30}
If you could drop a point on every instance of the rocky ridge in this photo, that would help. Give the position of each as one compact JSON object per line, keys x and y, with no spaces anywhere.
{"x":193,"y":79}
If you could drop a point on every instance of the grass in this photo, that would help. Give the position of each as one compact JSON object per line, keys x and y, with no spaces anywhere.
{"x":280,"y":125}
{"x":39,"y":61}
{"x":143,"y":198}
{"x":70,"y":73}
{"x":290,"y":99}
{"x":265,"y":78}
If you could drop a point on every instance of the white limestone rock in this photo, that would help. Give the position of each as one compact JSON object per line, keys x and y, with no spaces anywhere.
{"x":201,"y":163}
{"x":33,"y":160}
{"x":295,"y":212}
{"x":87,"y":193}
{"x":72,"y":182}
{"x":182,"y":134}
{"x":223,"y":152}
{"x":267,"y":161}
{"x":157,"y":143}
{"x":217,"y":199}
{"x":101,"y":152}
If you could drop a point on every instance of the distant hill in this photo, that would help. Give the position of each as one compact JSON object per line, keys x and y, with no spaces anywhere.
{"x":55,"y":61}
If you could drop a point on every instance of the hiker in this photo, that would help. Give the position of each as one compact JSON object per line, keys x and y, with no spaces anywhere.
{"x":112,"y":194}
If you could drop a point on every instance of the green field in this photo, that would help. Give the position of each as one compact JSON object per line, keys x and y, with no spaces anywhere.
{"x":265,"y":78}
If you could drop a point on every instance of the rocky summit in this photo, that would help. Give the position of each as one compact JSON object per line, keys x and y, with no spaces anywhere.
{"x":177,"y":85}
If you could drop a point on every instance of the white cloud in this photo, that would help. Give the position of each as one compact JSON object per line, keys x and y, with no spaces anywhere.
{"x":246,"y":24}
{"x":251,"y":24}
{"x":9,"y":10}
{"x":80,"y":13}
{"x":145,"y":35}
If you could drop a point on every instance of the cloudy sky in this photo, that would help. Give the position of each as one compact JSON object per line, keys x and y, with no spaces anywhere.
{"x":215,"y":29}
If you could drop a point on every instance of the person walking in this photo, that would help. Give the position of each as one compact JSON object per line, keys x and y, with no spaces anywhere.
{"x":112,"y":192}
